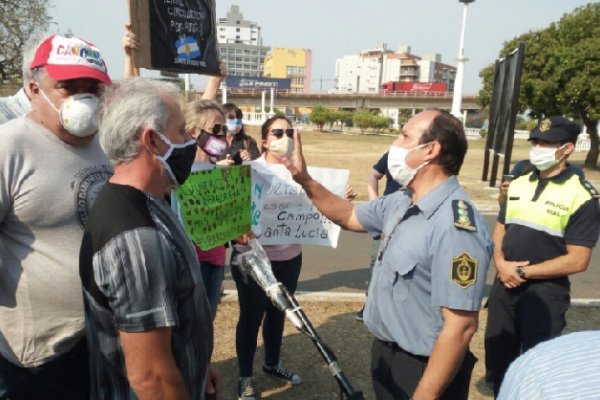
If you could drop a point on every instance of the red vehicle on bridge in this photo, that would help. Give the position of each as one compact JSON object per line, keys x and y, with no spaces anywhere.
{"x":414,"y":87}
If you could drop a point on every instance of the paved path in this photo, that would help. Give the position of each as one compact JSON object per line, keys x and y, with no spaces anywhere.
{"x":345,"y":269}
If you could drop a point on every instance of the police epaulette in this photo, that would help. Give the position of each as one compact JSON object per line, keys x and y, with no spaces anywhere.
{"x":591,"y":190}
{"x":464,"y":216}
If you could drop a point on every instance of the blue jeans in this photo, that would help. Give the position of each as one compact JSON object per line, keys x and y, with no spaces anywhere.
{"x":254,"y":305}
{"x":65,"y":378}
{"x":212,"y":275}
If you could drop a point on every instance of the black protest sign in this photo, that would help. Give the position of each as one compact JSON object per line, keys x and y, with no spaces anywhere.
{"x":181,"y":34}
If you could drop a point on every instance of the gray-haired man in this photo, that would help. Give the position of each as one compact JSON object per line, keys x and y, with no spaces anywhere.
{"x":148,"y":321}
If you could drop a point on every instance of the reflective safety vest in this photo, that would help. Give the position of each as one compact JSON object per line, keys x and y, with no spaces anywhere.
{"x":551,"y":210}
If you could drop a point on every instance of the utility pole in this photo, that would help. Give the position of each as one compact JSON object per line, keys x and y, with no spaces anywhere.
{"x":460,"y":67}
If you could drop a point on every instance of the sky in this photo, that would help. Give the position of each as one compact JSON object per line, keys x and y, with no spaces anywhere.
{"x":334,"y":28}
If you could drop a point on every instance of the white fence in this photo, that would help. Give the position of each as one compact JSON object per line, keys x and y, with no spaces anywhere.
{"x":473,"y":133}
{"x":583,"y":141}
{"x":254,"y":118}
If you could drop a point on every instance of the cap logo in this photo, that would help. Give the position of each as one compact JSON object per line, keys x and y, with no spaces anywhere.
{"x":90,"y":55}
{"x":545,"y":125}
{"x":73,"y":51}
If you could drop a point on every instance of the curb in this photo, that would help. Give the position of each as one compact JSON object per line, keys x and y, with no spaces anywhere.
{"x":231,"y":295}
{"x":335,"y":297}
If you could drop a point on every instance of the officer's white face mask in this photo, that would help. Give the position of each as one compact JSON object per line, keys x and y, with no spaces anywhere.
{"x":544,"y":158}
{"x":399,"y":170}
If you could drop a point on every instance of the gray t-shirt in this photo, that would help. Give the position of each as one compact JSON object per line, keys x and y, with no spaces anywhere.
{"x":46,"y":190}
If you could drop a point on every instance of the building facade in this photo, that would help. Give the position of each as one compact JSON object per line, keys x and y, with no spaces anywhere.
{"x":240,"y":44}
{"x":360,"y":73}
{"x":367,"y":71}
{"x":295,"y":64}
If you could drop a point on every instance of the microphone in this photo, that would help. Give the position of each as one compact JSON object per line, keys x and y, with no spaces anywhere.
{"x":256,"y":264}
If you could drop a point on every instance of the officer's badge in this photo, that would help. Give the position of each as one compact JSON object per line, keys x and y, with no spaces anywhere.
{"x":545,"y":125}
{"x":463,"y":215}
{"x":464,"y":270}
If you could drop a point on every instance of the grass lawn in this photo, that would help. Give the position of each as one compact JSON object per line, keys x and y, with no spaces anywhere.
{"x":359,"y":153}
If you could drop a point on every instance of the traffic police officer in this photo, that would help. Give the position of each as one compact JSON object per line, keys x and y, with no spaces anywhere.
{"x":428,"y":281}
{"x":545,"y":232}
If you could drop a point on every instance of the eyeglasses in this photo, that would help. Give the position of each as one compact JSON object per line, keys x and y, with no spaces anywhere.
{"x":217,"y":128}
{"x":279,"y":132}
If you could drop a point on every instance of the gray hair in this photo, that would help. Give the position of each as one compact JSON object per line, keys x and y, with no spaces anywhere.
{"x":127,"y":107}
{"x":29,"y":49}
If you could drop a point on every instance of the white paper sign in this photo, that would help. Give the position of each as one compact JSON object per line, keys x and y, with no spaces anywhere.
{"x":288,"y":216}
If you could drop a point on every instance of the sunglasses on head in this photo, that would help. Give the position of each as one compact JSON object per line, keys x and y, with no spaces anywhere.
{"x":216,"y":129}
{"x":279,"y":132}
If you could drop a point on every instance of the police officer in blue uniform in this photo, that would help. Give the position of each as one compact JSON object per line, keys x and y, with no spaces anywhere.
{"x":429,"y":277}
{"x":545,"y":232}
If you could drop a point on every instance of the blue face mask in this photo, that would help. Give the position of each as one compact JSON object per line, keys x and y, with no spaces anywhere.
{"x":233,"y":126}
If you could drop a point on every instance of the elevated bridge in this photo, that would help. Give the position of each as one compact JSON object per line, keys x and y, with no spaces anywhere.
{"x":353,"y":101}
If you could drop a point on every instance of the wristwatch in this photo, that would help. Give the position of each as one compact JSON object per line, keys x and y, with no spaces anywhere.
{"x":521,"y":272}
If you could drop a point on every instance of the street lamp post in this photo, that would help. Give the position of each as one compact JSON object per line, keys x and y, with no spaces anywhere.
{"x":460,"y":67}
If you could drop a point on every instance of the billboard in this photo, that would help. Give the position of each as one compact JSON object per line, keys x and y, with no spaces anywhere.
{"x":239,"y":82}
{"x":414,"y":87}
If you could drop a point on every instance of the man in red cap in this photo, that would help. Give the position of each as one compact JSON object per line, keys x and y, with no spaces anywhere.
{"x":51,"y":168}
{"x":546,"y":230}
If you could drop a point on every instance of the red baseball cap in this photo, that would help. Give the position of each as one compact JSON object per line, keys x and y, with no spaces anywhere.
{"x":70,"y":58}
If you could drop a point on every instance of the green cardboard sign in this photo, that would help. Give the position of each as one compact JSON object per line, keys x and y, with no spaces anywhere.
{"x":215,"y":205}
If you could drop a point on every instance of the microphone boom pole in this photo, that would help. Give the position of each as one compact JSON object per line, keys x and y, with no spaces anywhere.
{"x":324,"y":350}
{"x":255,"y":263}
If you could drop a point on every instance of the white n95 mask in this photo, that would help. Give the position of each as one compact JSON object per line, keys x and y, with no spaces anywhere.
{"x":77,"y":113}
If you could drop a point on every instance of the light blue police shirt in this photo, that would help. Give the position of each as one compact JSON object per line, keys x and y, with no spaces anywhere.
{"x":435,"y":253}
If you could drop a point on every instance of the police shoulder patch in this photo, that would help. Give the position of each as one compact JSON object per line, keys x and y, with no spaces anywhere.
{"x":464,"y":270}
{"x":464,"y":216}
{"x":591,"y":190}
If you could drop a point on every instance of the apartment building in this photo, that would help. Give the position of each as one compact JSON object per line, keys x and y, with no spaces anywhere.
{"x":240,"y":44}
{"x":295,"y":64}
{"x":365,"y":72}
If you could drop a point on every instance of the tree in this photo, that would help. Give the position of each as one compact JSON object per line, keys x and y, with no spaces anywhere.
{"x":363,"y":119}
{"x":319,"y":116}
{"x":331,"y":117}
{"x":561,"y":71}
{"x":18,"y":21}
{"x":380,"y":122}
{"x":344,"y":116}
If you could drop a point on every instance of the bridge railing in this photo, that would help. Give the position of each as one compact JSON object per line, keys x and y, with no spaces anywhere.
{"x":256,"y":92}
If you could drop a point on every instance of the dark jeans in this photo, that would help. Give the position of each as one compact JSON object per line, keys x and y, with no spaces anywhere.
{"x":212,"y":275}
{"x":520,"y":318}
{"x":396,"y":373}
{"x":254,"y":305}
{"x":65,"y":378}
